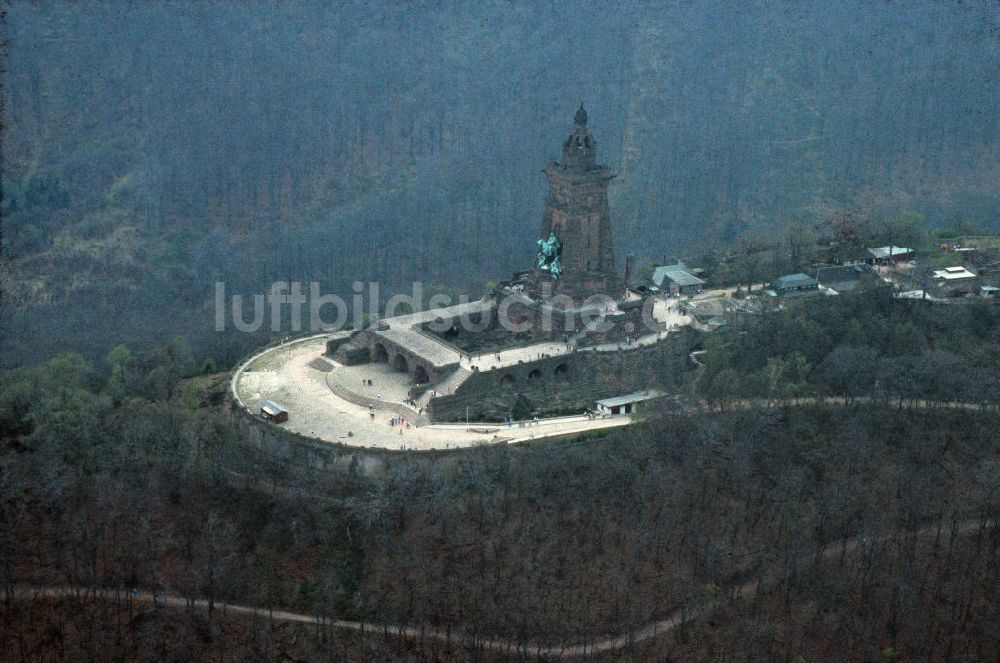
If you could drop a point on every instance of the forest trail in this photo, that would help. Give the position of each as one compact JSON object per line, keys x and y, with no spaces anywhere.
{"x":648,"y":631}
{"x":847,"y":401}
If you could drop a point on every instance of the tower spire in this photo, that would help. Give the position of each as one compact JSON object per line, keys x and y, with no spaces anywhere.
{"x":580,"y":148}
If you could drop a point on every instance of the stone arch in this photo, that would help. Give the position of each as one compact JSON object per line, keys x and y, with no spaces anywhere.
{"x":399,"y":363}
{"x":379,"y":353}
{"x":562,"y":371}
{"x":420,"y":375}
{"x":535,"y":374}
{"x":507,"y":380}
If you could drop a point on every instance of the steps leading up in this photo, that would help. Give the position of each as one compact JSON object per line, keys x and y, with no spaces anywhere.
{"x":451,"y":384}
{"x":365,"y":400}
{"x":446,"y":387}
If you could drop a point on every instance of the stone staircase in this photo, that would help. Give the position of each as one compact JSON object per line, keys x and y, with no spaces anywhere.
{"x":365,"y":400}
{"x":446,"y":387}
{"x":451,"y":383}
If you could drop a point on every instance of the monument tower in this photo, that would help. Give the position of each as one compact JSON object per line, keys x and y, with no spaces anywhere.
{"x":577,"y":217}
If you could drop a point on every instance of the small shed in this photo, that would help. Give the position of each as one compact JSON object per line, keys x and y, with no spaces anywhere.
{"x":705,"y":309}
{"x":849,"y":278}
{"x":889,"y":254}
{"x":273,"y":412}
{"x":626,"y":404}
{"x":677,"y":279}
{"x":794,"y":284}
{"x":956,"y":281}
{"x":957,"y":273}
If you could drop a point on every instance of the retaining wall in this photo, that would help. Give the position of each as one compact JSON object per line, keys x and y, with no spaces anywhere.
{"x":567,"y":383}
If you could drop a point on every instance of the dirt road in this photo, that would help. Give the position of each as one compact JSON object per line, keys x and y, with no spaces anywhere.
{"x":604,"y":644}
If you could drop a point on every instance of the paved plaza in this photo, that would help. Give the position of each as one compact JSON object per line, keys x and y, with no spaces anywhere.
{"x":378,"y":381}
{"x":286,"y":375}
{"x":667,"y":312}
{"x":330,"y":401}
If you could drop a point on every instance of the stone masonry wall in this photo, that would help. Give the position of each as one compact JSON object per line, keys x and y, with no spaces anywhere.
{"x":278,"y":446}
{"x":569,"y":383}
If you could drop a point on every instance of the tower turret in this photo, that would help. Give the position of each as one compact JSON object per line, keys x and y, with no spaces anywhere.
{"x":580,"y":149}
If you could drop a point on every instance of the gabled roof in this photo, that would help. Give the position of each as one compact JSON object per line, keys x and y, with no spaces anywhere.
{"x":634,"y":397}
{"x":883,"y":252}
{"x":794,"y":281}
{"x":679,"y":274}
{"x":272,"y":408}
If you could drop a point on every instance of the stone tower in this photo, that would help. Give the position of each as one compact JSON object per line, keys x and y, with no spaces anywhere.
{"x":577,"y":213}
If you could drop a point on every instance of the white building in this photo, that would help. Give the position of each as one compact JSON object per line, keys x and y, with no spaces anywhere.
{"x":954,"y":274}
{"x":626,"y":404}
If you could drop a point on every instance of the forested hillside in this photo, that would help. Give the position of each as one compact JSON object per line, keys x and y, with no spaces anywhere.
{"x":862,"y":532}
{"x":151,"y":149}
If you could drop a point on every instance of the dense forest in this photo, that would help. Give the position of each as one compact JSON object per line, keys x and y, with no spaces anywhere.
{"x":821,"y":483}
{"x":860,"y":530}
{"x":151,"y":149}
{"x":859,"y":346}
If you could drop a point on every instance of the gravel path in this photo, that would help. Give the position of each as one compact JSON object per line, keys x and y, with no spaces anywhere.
{"x":454,"y":636}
